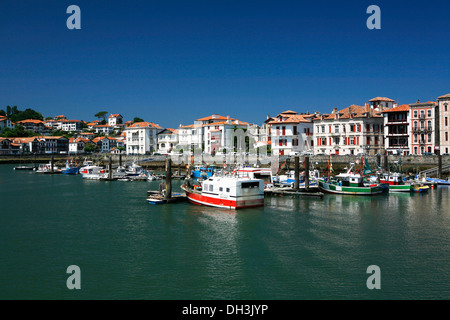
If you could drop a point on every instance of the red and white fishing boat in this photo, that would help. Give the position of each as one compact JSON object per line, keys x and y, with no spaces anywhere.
{"x":227,"y":191}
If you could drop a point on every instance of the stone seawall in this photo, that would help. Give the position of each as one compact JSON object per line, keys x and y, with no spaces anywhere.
{"x":412,"y":163}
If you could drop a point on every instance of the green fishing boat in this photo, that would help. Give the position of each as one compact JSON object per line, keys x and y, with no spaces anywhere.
{"x":351,"y":183}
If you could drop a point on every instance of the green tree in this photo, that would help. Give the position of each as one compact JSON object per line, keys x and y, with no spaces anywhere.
{"x":18,"y":115}
{"x":91,"y":147}
{"x":101,"y":115}
{"x":17,"y":131}
{"x":2,"y":113}
{"x":137,"y":119}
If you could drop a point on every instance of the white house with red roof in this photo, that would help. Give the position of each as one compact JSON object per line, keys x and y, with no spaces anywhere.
{"x":103,"y":128}
{"x":213,"y":134}
{"x":353,"y":130}
{"x":290,"y":132}
{"x":167,"y":140}
{"x":115,"y":119}
{"x":142,"y":137}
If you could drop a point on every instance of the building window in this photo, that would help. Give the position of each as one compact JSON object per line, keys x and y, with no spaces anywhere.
{"x":422,"y":124}
{"x":336,"y":129}
{"x":415,"y":150}
{"x":429,"y":137}
{"x":446,"y":121}
{"x":415,"y":124}
{"x":429,"y":113}
{"x":295,"y":130}
{"x":415,"y":137}
{"x":429,"y":124}
{"x":415,"y":113}
{"x":283,"y":129}
{"x":446,"y":137}
{"x":323,"y":129}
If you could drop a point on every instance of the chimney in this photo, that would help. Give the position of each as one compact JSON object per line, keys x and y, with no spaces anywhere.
{"x":418,"y":101}
{"x":366,"y":107}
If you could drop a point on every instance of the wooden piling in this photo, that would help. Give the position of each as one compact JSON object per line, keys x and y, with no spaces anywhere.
{"x":306,"y":173}
{"x":168,"y":178}
{"x":439,"y":166}
{"x":110,"y":168}
{"x":296,"y":173}
{"x":52,"y":161}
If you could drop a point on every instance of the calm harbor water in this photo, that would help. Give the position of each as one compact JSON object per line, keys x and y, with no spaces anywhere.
{"x":293,"y":248}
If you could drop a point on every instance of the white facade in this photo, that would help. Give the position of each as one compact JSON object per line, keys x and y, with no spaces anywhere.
{"x":444,"y":123}
{"x":104,"y":128}
{"x":115,"y":119}
{"x":167,"y":140}
{"x":291,"y":133}
{"x":351,"y":131}
{"x":142,"y":138}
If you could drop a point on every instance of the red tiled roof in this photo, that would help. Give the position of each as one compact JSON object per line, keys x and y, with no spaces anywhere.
{"x":114,"y":115}
{"x":144,"y":124}
{"x":381,"y":99}
{"x":214,"y":117}
{"x":403,"y":107}
{"x":31,"y":121}
{"x":290,"y":118}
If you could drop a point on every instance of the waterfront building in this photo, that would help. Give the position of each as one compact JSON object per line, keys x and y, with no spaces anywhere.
{"x":444,"y":123}
{"x":115,"y":119}
{"x":397,"y":134}
{"x":190,"y":137}
{"x":211,"y":134}
{"x":142,"y":137}
{"x":8,"y":147}
{"x":53,"y":145}
{"x":291,"y":132}
{"x":167,"y":140}
{"x":353,"y":130}
{"x":30,"y":144}
{"x":76,"y":145}
{"x":222,"y":135}
{"x":424,"y":127}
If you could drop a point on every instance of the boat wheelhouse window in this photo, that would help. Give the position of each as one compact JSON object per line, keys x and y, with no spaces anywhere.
{"x":205,"y":187}
{"x":228,"y":189}
{"x":220,"y":189}
{"x":211,"y":187}
{"x":246,"y":185}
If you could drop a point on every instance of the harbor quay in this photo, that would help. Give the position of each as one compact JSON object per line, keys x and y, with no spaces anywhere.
{"x":411,"y":163}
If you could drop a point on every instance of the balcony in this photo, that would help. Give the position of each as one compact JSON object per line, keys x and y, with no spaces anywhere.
{"x":422,"y":130}
{"x":397,"y":121}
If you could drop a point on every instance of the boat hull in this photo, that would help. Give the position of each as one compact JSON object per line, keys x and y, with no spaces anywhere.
{"x":70,"y":171}
{"x":400,"y":188}
{"x":201,"y":199}
{"x":331,"y":188}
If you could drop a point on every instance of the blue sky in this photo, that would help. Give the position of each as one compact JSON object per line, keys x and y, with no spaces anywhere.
{"x":171,"y":62}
